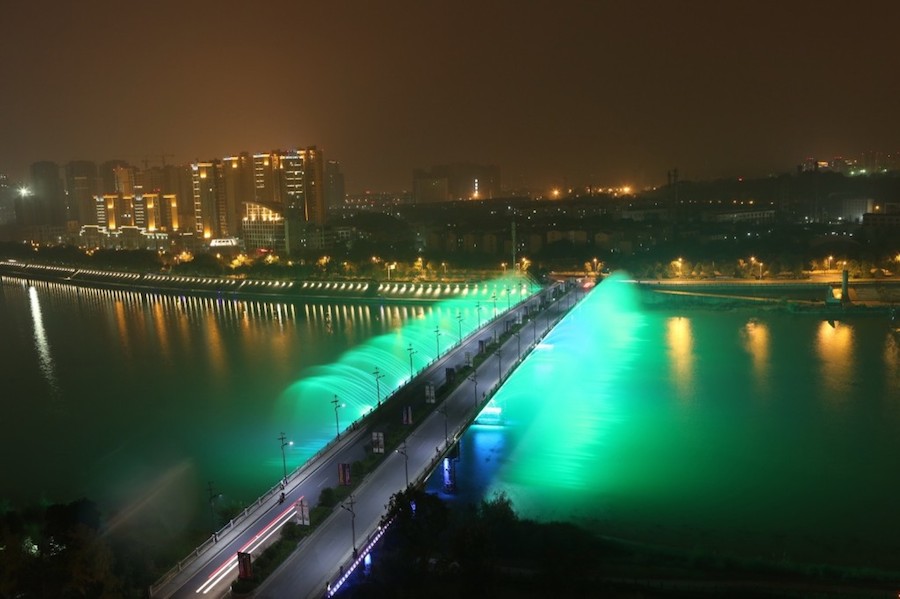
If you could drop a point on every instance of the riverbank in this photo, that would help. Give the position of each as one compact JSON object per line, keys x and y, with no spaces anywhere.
{"x":869,"y":298}
{"x":433,"y":555}
{"x":362,"y":291}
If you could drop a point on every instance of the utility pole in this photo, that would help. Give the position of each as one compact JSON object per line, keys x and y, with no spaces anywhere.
{"x":352,"y":521}
{"x":402,"y":451}
{"x":378,"y":377}
{"x":411,"y":352}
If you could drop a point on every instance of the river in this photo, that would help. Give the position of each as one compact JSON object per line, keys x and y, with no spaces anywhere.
{"x":752,"y":433}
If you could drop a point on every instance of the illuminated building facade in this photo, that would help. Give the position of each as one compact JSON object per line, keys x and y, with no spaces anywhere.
{"x":263,"y":228}
{"x":210,"y":206}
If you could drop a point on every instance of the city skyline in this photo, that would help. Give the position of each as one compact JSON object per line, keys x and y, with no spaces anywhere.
{"x":583,"y":92}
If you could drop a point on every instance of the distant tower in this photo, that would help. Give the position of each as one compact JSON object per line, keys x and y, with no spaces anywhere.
{"x":334,"y":184}
{"x":82,"y":184}
{"x":513,"y":244}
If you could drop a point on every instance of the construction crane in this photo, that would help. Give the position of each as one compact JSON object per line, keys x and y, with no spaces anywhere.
{"x":161,"y":157}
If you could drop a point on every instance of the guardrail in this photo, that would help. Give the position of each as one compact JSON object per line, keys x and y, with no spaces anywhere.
{"x":354,"y":426}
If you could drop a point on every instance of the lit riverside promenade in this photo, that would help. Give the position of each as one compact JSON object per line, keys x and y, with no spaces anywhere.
{"x":320,"y":556}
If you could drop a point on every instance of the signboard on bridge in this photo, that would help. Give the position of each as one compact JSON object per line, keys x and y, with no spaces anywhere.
{"x":344,"y":474}
{"x":407,"y":415}
{"x":429,"y":392}
{"x":245,"y":566}
{"x":377,"y":442}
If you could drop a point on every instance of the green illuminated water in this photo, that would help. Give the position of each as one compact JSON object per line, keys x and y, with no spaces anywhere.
{"x":139,"y":401}
{"x":748,"y":433}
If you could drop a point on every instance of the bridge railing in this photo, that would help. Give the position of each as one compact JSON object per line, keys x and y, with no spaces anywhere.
{"x":301,"y":470}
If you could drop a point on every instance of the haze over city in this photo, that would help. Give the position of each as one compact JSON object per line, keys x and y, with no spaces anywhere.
{"x":602,"y":93}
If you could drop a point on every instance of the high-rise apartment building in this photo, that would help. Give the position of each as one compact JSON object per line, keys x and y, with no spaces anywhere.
{"x":334,"y":185}
{"x":289,"y":192}
{"x":314,"y":208}
{"x":108,"y":177}
{"x":44,"y":203}
{"x":210,"y":214}
{"x":239,"y":189}
{"x":82,"y":184}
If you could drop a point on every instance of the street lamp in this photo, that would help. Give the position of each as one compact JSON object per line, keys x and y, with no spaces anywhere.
{"x":478,"y":311}
{"x":518,"y":335}
{"x":459,"y":320}
{"x":474,"y":378}
{"x":760,"y":270}
{"x":378,"y":377}
{"x":830,"y":258}
{"x":411,"y":352}
{"x":352,"y":521}
{"x":437,"y":341}
{"x":508,"y":294}
{"x":337,"y":425}
{"x":494,"y":297}
{"x":212,"y":512}
{"x":402,"y":451}
{"x":284,"y":443}
{"x":679,"y":261}
{"x":443,"y":410}
{"x":499,"y":364}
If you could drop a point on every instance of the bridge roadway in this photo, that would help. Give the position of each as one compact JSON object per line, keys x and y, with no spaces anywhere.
{"x":318,"y":559}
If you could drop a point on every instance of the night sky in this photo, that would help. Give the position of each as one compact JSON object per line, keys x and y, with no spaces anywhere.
{"x":554,"y":93}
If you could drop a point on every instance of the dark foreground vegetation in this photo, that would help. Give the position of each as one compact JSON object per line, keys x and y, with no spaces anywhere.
{"x":488,"y":551}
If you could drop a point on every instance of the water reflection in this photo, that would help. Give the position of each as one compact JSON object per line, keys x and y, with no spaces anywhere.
{"x":680,"y":340}
{"x":892,"y":357}
{"x":834,"y":346}
{"x":756,"y":341}
{"x":40,"y":342}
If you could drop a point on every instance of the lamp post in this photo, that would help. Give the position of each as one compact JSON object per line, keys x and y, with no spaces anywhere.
{"x":352,"y":520}
{"x":830,"y":258}
{"x":494,"y":297}
{"x":411,"y":352}
{"x":212,"y":512}
{"x":402,"y":451}
{"x":474,"y":378}
{"x":337,"y":425}
{"x":760,"y":270}
{"x":378,"y":377}
{"x":459,"y":320}
{"x":518,"y":335}
{"x":499,"y":364}
{"x":443,"y":410}
{"x":534,"y":328}
{"x":478,"y":311}
{"x":508,"y":294}
{"x":437,"y":341}
{"x":284,"y":443}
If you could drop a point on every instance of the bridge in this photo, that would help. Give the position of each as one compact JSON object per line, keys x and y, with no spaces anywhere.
{"x":324,"y":558}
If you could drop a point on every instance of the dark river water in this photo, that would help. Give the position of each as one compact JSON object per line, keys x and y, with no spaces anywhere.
{"x":754,"y":433}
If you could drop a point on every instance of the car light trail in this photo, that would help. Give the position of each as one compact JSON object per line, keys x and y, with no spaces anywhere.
{"x":252,"y":545}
